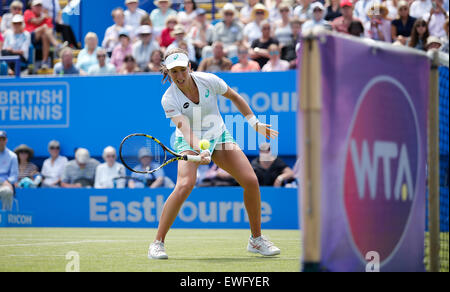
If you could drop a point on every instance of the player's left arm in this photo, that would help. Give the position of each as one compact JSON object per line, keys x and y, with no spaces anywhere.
{"x":246,"y":111}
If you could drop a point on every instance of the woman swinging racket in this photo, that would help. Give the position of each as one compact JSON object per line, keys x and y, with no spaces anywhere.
{"x":191,"y":104}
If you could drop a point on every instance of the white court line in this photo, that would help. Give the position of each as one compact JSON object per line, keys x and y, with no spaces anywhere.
{"x":64,"y":242}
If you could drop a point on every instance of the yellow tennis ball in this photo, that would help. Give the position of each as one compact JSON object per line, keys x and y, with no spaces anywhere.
{"x":204,"y":144}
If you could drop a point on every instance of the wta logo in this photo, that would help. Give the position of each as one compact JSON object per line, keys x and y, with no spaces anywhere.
{"x":381,"y":167}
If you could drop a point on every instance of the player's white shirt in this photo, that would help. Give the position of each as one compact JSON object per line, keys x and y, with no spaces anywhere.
{"x":204,"y":118}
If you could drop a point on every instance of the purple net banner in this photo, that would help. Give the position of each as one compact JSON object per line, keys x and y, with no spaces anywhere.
{"x":374,"y":151}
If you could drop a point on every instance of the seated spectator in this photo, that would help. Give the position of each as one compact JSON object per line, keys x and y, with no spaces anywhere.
{"x":188,"y":14}
{"x":245,"y":64}
{"x":9,"y":171}
{"x":318,"y":14}
{"x":28,"y":171}
{"x":360,"y":9}
{"x":133,"y":14}
{"x":66,"y":66}
{"x":289,"y":51}
{"x":252,"y":30}
{"x":129,"y":65}
{"x":1,"y":42}
{"x":53,"y":167}
{"x":53,"y":10}
{"x":436,"y":19}
{"x":342,"y":23}
{"x":41,"y":28}
{"x":402,"y":26}
{"x":123,"y":49}
{"x":418,"y":8}
{"x":218,"y":62}
{"x":201,"y":32}
{"x":246,"y":11}
{"x":80,"y":172}
{"x":109,"y":170}
{"x":111,"y":38}
{"x":378,"y":27}
{"x":155,"y":61}
{"x":356,"y":28}
{"x":445,"y":39}
{"x":179,"y":33}
{"x":282,"y":29}
{"x":166,"y":37}
{"x":16,"y":41}
{"x":433,"y":43}
{"x":160,"y":14}
{"x":275,"y":63}
{"x":145,"y":20}
{"x":419,"y":35}
{"x":88,"y":56}
{"x":258,"y":51}
{"x":144,"y":47}
{"x":271,"y":170}
{"x":103,"y":67}
{"x":152,"y":180}
{"x":274,"y":11}
{"x":15,"y":8}
{"x":303,"y":11}
{"x":333,"y":10}
{"x":217,"y":177}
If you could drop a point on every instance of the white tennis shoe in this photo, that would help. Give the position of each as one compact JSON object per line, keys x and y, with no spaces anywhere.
{"x":157,"y":251}
{"x":262,"y":246}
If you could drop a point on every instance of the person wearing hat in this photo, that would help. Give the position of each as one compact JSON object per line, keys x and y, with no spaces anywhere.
{"x":341,"y":24}
{"x":179,"y":33}
{"x":133,"y":14}
{"x":17,"y":40}
{"x":106,"y":172}
{"x":401,"y":27}
{"x":15,"y":8}
{"x":53,"y":167}
{"x":27,"y":169}
{"x":191,"y":103}
{"x":9,"y":172}
{"x":123,"y":49}
{"x":79,"y":172}
{"x":378,"y":27}
{"x":152,"y":180}
{"x":433,"y":43}
{"x":318,"y":15}
{"x":246,"y":11}
{"x":160,"y":14}
{"x":144,"y":47}
{"x":252,"y":30}
{"x":111,"y":38}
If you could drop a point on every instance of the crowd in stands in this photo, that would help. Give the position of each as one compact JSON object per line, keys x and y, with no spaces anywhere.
{"x":263,"y":31}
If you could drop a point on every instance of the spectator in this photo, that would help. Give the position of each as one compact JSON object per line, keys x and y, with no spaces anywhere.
{"x":333,"y":10}
{"x":9,"y":172}
{"x":121,"y":50}
{"x":217,"y":177}
{"x":17,"y":41}
{"x":433,"y":43}
{"x":179,"y":33}
{"x":282,"y":27}
{"x":188,"y":15}
{"x":15,"y":8}
{"x":79,"y":172}
{"x":289,"y":51}
{"x":145,"y":20}
{"x":41,"y":28}
{"x":419,"y":8}
{"x":436,"y":19}
{"x":318,"y":14}
{"x":152,"y":180}
{"x":201,"y":32}
{"x":107,"y":172}
{"x":144,"y":47}
{"x":129,"y":65}
{"x":133,"y":14}
{"x":356,"y":28}
{"x":228,"y":32}
{"x":271,"y":170}
{"x":1,"y":42}
{"x":66,"y":67}
{"x":378,"y":27}
{"x":28,"y":171}
{"x":258,"y":51}
{"x":53,"y":167}
{"x":342,"y":23}
{"x":391,"y":5}
{"x":361,"y":8}
{"x":445,"y":39}
{"x":88,"y":56}
{"x":166,"y":37}
{"x":103,"y":67}
{"x":111,"y":39}
{"x":252,"y":30}
{"x":419,"y":35}
{"x":245,"y":64}
{"x":303,"y":11}
{"x":274,"y":11}
{"x":402,"y":26}
{"x":275,"y":63}
{"x":218,"y":62}
{"x":53,"y":10}
{"x":160,"y":14}
{"x":155,"y":61}
{"x":246,"y":11}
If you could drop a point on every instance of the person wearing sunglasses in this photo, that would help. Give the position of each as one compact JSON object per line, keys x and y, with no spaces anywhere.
{"x":103,"y":67}
{"x":419,"y":35}
{"x":275,"y":63}
{"x":53,"y":167}
{"x":402,"y":26}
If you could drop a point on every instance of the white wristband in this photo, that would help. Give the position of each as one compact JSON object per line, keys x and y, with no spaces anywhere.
{"x":253,"y":121}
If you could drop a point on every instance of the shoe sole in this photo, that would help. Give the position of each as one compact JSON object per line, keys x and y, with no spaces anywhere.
{"x":253,"y":250}
{"x":158,"y":258}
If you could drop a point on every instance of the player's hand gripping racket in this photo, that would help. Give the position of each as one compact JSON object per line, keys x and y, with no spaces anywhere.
{"x":145,"y":154}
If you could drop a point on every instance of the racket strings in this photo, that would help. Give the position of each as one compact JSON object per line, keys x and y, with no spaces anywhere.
{"x":142,"y":154}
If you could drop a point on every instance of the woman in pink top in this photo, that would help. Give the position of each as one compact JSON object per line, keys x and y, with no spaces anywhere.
{"x":123,"y":49}
{"x":275,"y":63}
{"x":245,"y":63}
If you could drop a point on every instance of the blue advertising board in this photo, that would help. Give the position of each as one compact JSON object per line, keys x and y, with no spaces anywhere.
{"x":122,"y":208}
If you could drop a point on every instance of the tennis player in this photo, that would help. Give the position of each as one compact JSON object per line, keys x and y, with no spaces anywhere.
{"x":191,"y":103}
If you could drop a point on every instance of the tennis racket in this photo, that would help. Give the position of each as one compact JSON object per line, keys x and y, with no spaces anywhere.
{"x":141,"y":153}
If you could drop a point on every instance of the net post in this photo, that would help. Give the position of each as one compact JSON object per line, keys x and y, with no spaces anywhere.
{"x":433,"y":165}
{"x":311,"y":105}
